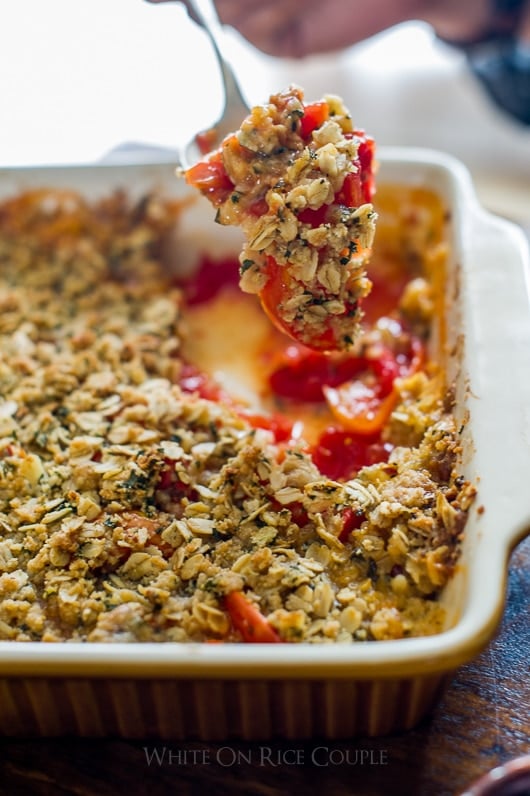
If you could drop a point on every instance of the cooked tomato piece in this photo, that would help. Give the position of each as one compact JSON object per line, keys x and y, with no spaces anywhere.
{"x":211,"y":277}
{"x":359,"y":186}
{"x":340,"y":454}
{"x":281,"y":427}
{"x":132,"y":521}
{"x":412,"y":358}
{"x":359,"y":407}
{"x":366,"y":156}
{"x":351,"y":193}
{"x":194,"y":380}
{"x":210,"y":178}
{"x":315,"y":218}
{"x":206,"y":140}
{"x":351,"y":520}
{"x":299,"y":514}
{"x":248,"y":620}
{"x":280,"y":287}
{"x":315,"y":114}
{"x":364,"y":404}
{"x":301,"y":373}
{"x":168,"y":481}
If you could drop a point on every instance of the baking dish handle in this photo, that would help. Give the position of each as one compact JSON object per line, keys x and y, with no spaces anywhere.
{"x":496,"y":306}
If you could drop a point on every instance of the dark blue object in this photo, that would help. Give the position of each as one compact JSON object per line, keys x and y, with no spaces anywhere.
{"x":503,"y":68}
{"x":501,"y":62}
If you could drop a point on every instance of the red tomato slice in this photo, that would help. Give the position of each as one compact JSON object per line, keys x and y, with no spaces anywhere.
{"x":359,"y":407}
{"x":351,"y":193}
{"x":249,"y":621}
{"x":298,"y":513}
{"x":281,"y":427}
{"x":211,"y":277}
{"x":359,"y":186}
{"x":279,"y":287}
{"x":364,"y":404}
{"x":340,"y":454}
{"x":366,"y":156}
{"x":210,"y":178}
{"x":194,"y":380}
{"x":169,"y":482}
{"x":351,"y":520}
{"x":301,"y":372}
{"x":206,"y":140}
{"x":315,"y":114}
{"x":315,"y":218}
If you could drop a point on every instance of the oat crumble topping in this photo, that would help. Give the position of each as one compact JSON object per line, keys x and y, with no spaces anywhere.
{"x":130,"y":508}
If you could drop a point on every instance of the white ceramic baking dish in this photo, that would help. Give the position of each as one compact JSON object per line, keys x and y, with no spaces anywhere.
{"x":214,"y":691}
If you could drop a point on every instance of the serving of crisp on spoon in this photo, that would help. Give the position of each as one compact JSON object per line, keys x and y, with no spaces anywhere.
{"x":298,"y":179}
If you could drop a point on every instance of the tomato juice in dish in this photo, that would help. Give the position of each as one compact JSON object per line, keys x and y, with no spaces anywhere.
{"x":174,"y":468}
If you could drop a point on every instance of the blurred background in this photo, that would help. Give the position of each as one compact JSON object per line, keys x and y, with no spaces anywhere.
{"x":79,"y":80}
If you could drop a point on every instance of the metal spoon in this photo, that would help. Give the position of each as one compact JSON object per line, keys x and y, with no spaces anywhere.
{"x":235,"y":107}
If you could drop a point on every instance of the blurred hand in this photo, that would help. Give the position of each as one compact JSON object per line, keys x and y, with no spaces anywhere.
{"x":296,"y":28}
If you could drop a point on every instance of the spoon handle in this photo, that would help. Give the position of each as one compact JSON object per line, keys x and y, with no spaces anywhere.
{"x":206,"y":15}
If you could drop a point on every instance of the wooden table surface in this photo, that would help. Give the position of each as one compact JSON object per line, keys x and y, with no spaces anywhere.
{"x":483,"y":720}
